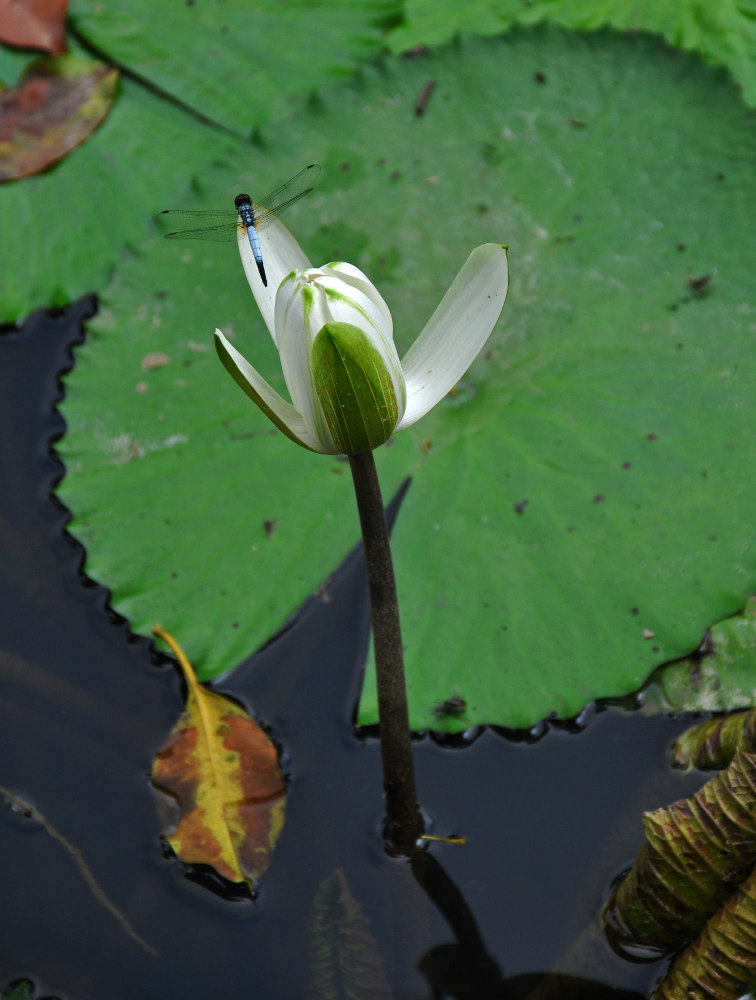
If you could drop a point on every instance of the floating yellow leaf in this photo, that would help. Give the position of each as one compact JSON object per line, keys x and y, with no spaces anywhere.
{"x":223,"y":771}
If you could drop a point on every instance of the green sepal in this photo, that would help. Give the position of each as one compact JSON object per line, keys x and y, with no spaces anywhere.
{"x":354,"y":388}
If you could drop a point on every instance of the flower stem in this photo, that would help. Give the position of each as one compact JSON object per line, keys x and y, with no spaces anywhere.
{"x":403,"y":821}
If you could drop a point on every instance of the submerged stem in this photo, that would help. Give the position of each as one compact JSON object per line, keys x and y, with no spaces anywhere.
{"x":403,"y":821}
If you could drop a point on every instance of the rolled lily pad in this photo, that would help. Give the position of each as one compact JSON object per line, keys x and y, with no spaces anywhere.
{"x":697,"y":851}
{"x":581,"y":506}
{"x":721,"y":961}
{"x":714,"y":743}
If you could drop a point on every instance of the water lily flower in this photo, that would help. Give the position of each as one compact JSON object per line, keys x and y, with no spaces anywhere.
{"x":349,"y":390}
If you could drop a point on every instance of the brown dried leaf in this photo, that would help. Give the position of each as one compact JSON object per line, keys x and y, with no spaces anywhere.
{"x":56,"y":106}
{"x":697,"y":851}
{"x":34,"y":24}
{"x":712,"y":744}
{"x":223,"y":771}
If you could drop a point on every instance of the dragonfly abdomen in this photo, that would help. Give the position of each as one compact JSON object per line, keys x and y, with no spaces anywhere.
{"x":243,"y":204}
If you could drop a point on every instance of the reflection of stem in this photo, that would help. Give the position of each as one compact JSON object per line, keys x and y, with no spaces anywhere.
{"x":85,"y":871}
{"x":404,"y":824}
{"x":463,"y":969}
{"x":449,"y":901}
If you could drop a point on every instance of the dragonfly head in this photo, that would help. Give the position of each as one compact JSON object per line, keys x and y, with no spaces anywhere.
{"x":242,"y":199}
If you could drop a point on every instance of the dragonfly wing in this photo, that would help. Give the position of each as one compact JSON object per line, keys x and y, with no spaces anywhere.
{"x":228,"y":215}
{"x":218,"y":225}
{"x":214,"y":234}
{"x":223,"y":225}
{"x":284,"y":197}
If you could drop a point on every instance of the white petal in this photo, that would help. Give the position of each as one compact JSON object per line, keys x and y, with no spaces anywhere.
{"x":281,"y":254}
{"x":354,"y":276}
{"x":456,"y":332}
{"x":282,"y":414}
{"x":351,"y":299}
{"x":301,"y":311}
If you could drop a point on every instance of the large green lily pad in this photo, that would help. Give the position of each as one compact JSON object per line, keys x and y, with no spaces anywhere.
{"x":238,"y":64}
{"x":723,"y":32}
{"x":581,"y":508}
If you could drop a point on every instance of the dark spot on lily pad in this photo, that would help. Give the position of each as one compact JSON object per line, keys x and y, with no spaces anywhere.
{"x":700,"y":283}
{"x":454,"y":706}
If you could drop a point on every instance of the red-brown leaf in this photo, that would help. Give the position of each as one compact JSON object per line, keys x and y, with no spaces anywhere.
{"x":34,"y":24}
{"x":56,"y":106}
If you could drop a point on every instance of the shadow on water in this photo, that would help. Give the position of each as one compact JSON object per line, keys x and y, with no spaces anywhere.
{"x":84,"y":706}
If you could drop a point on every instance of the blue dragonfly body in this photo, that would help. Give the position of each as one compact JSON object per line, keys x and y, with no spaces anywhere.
{"x":246,"y":220}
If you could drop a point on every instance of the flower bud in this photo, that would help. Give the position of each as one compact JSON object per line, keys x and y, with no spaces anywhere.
{"x":354,"y":388}
{"x":334,"y":334}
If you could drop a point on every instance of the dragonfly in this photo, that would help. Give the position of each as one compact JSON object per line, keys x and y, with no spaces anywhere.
{"x":247,"y":219}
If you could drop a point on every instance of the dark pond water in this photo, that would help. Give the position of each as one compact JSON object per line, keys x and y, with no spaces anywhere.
{"x":84,"y":706}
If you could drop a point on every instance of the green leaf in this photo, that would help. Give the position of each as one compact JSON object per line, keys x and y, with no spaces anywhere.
{"x":697,"y":851}
{"x":581,"y":507}
{"x":12,"y":64}
{"x":434,"y":22}
{"x":239,"y":65}
{"x":719,"y":678}
{"x":723,"y":32}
